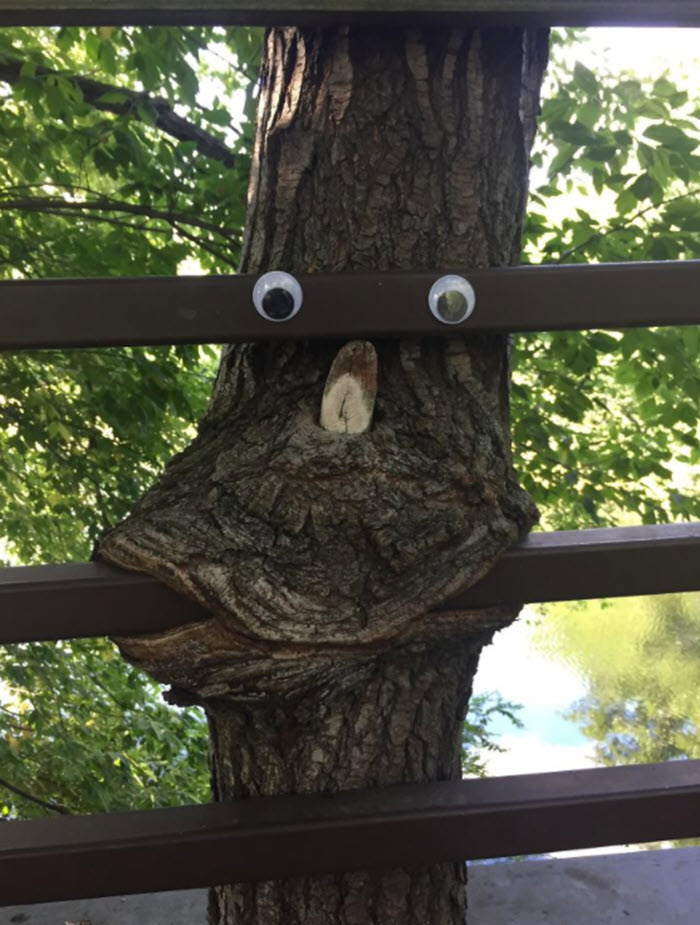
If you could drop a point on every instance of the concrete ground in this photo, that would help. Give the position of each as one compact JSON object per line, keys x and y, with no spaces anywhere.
{"x":641,"y":888}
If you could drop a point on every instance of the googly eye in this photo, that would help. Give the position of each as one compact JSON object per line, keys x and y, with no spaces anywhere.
{"x":277,"y":296}
{"x":452,"y":299}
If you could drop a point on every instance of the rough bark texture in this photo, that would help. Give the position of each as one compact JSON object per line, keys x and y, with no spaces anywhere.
{"x":379,"y":731}
{"x":320,"y":554}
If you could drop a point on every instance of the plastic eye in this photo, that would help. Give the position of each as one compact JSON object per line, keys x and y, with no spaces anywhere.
{"x":452,"y":299}
{"x":277,"y":296}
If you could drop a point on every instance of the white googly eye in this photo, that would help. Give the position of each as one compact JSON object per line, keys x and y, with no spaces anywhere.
{"x":277,"y":296}
{"x":452,"y":299}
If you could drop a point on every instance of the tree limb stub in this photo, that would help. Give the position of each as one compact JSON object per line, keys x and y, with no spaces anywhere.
{"x":351,"y":390}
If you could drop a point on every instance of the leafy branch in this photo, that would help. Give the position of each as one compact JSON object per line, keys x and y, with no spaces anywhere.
{"x":109,"y":204}
{"x":105,"y":209}
{"x":51,"y":805}
{"x":623,"y":226}
{"x":124,"y":102}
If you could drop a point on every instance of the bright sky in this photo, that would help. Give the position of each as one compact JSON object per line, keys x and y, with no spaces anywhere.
{"x":646,"y":51}
{"x":513,"y":666}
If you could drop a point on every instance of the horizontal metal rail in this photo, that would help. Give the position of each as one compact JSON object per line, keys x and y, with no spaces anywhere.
{"x":47,"y":602}
{"x":172,"y":310}
{"x":402,"y":826}
{"x":291,"y":12}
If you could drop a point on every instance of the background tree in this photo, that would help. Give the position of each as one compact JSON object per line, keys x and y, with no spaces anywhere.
{"x":606,"y":423}
{"x":642,"y":702}
{"x":100,"y":176}
{"x":84,"y":432}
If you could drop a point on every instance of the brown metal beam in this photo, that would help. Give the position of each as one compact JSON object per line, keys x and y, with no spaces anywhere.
{"x":577,"y":565}
{"x":49,"y":602}
{"x":403,"y":826}
{"x":291,"y":12}
{"x":102,"y":312}
{"x":67,"y":601}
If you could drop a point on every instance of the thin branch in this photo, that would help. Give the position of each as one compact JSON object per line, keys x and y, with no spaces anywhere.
{"x":108,"y":220}
{"x":14,"y":721}
{"x":45,"y":804}
{"x":165,"y":117}
{"x":122,"y":707}
{"x":105,"y":204}
{"x":204,"y":110}
{"x":206,"y":246}
{"x":623,"y":226}
{"x":239,"y":68}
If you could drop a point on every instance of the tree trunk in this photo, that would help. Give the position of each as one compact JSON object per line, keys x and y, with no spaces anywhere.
{"x":401,"y":723}
{"x":318,"y":553}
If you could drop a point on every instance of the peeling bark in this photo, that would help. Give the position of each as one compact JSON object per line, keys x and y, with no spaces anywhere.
{"x":319,"y":553}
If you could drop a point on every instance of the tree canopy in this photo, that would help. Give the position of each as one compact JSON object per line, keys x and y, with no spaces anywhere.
{"x":126,"y":152}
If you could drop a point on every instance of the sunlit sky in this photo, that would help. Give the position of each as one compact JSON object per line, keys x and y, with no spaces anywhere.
{"x":646,"y":51}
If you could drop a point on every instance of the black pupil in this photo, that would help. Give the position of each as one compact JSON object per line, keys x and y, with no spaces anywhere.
{"x":278,"y":303}
{"x":452,"y":305}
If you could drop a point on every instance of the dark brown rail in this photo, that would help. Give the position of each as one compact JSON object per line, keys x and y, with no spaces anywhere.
{"x":290,"y":12}
{"x":62,"y":601}
{"x":277,"y":837}
{"x":172,"y":310}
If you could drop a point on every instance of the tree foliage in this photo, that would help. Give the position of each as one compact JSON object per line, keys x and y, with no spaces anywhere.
{"x":126,"y":152}
{"x":82,"y":732}
{"x":604,"y":421}
{"x":477,"y":737}
{"x":113,"y":162}
{"x":110,"y":164}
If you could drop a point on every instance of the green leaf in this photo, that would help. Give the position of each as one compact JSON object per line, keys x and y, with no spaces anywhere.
{"x":147,"y":113}
{"x":671,"y":137}
{"x":575,"y":133}
{"x":113,"y":96}
{"x":601,"y":153}
{"x":562,"y":159}
{"x":626,"y":202}
{"x":642,"y":188}
{"x":585,"y":79}
{"x":218,"y":116}
{"x":603,"y":342}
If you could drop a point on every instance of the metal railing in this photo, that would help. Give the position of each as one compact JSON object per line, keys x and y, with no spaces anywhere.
{"x":303,"y":12}
{"x":43,"y":602}
{"x":403,"y":826}
{"x":61,"y":313}
{"x":280,"y":837}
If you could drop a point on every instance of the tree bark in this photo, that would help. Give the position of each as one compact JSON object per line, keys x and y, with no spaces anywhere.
{"x":320,"y":554}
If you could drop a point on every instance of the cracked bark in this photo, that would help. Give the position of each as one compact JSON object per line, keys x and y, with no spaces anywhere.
{"x":320,"y":554}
